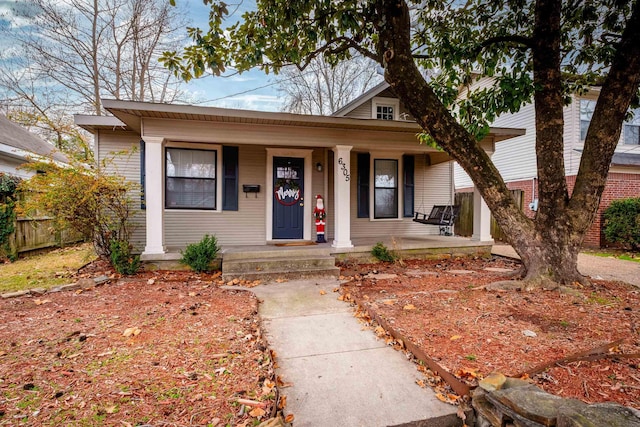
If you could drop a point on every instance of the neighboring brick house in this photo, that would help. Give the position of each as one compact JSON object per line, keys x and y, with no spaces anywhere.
{"x":516,"y":158}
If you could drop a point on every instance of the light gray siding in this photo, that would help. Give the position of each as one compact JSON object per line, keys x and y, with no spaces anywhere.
{"x":120,"y":152}
{"x":362,"y":111}
{"x":432,"y":186}
{"x":246,"y":226}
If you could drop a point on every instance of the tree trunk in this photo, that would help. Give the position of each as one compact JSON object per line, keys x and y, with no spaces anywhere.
{"x":548,"y":245}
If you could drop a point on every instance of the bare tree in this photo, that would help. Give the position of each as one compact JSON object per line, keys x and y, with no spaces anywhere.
{"x":78,"y":51}
{"x":323,"y":89}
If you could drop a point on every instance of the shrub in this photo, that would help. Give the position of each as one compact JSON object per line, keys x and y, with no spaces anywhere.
{"x":8,"y":196}
{"x":199,"y":255}
{"x":381,"y":253}
{"x":622,"y":222}
{"x":88,"y":201}
{"x":122,"y":259}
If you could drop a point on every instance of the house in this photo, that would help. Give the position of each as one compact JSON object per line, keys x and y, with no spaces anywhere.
{"x":19,"y":146}
{"x":251,"y":177}
{"x":516,"y":158}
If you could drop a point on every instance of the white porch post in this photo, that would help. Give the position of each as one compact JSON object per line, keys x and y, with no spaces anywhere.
{"x":154,"y":195}
{"x":481,"y":218}
{"x":342,"y":196}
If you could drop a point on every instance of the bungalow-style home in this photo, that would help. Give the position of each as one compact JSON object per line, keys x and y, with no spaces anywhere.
{"x":19,"y":146}
{"x":252,"y":178}
{"x":516,"y":158}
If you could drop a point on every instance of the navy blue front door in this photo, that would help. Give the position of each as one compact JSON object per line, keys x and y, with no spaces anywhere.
{"x":288,"y":197}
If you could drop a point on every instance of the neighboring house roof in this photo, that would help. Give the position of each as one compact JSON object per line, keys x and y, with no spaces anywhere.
{"x":370,"y":94}
{"x":128,"y":114}
{"x":19,"y":143}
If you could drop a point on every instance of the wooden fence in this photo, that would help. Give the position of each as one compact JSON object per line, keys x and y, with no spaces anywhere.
{"x":464,"y":223}
{"x":31,"y":234}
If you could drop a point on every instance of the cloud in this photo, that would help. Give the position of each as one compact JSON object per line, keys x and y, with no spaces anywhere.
{"x":16,"y":14}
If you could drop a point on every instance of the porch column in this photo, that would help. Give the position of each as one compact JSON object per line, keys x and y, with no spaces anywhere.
{"x":154,"y":195}
{"x":481,"y":218}
{"x":342,"y":196}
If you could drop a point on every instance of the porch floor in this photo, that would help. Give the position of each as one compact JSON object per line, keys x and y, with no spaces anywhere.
{"x":433,"y":245}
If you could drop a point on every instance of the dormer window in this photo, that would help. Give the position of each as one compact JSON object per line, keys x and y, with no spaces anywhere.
{"x":631,"y":129}
{"x":385,"y":108}
{"x":384,"y":112}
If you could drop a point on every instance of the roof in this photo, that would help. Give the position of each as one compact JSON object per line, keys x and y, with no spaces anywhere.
{"x":18,"y":142}
{"x":626,"y":159}
{"x":127,"y":115}
{"x":371,"y":93}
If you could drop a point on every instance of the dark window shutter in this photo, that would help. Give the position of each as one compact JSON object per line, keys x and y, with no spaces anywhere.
{"x":363,"y":185}
{"x":143,"y":173}
{"x":230,"y":178}
{"x":409,"y":184}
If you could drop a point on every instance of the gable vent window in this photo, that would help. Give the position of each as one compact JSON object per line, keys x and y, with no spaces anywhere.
{"x":384,"y":112}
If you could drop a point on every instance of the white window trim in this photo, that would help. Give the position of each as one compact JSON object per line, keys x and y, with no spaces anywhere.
{"x":373,"y":156}
{"x":195,"y":146}
{"x":382,"y":101}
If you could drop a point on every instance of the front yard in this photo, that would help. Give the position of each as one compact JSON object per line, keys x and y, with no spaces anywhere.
{"x":158,"y":349}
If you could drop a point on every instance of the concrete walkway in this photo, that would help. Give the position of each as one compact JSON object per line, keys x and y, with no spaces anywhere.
{"x":597,"y":267}
{"x":341,"y":375}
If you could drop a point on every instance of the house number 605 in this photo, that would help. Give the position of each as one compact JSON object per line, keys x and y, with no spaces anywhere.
{"x":345,"y":171}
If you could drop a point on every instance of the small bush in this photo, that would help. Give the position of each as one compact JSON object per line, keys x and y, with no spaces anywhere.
{"x":382,"y":253}
{"x":622,"y":222}
{"x":122,"y":259}
{"x":199,"y":255}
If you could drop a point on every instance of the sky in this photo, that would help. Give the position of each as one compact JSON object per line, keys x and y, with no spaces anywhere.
{"x":235,"y":91}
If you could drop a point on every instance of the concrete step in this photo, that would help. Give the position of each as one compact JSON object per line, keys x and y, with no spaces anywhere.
{"x":286,"y":266}
{"x":262,"y":252}
{"x":250,"y":265}
{"x":265,"y":276}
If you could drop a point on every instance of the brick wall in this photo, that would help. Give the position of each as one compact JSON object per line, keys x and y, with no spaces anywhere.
{"x":619,"y":186}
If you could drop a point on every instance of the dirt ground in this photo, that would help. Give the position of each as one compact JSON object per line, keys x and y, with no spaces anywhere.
{"x":162,"y":349}
{"x":442,"y":308}
{"x":172,"y":348}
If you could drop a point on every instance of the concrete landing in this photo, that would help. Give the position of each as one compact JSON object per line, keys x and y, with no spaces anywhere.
{"x":341,"y":375}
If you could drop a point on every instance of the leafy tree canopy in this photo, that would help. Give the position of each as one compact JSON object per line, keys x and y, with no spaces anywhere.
{"x":458,"y":41}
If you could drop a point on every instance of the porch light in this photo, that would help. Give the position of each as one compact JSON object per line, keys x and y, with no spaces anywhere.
{"x":319,"y":167}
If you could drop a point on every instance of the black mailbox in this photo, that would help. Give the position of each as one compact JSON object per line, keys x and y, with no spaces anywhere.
{"x":251,"y":188}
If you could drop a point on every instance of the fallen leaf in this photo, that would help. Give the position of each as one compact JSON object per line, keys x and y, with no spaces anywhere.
{"x":390,"y":301}
{"x":289,"y":418}
{"x":135,"y":331}
{"x":3,"y":353}
{"x":441,"y":397}
{"x":73,"y":356}
{"x":323,"y":292}
{"x":192,"y":294}
{"x":151,"y":281}
{"x":379,"y":330}
{"x":106,"y":353}
{"x":336,"y":289}
{"x":111,"y":409}
{"x":40,"y":302}
{"x":257,"y":412}
{"x":214,"y":422}
{"x":281,"y":383}
{"x":283,"y":402}
{"x":341,"y":298}
{"x":455,"y":337}
{"x":409,"y":307}
{"x":421,"y":383}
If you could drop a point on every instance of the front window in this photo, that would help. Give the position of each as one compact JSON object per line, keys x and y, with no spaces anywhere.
{"x":632,"y":129}
{"x":190,"y":179}
{"x":384,"y":112}
{"x":386,"y":188}
{"x":586,"y":112}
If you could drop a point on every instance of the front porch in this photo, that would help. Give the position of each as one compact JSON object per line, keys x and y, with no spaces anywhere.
{"x":273,"y":253}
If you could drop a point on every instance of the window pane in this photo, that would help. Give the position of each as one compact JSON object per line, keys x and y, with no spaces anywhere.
{"x":386,"y":173}
{"x":631,"y":134}
{"x":386,"y":203}
{"x":191,"y":193}
{"x":191,"y":163}
{"x":386,"y":188}
{"x":384,"y":112}
{"x":586,"y":112}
